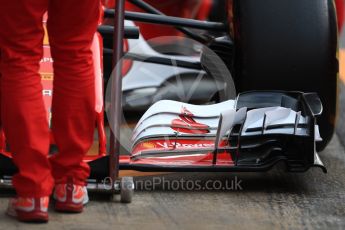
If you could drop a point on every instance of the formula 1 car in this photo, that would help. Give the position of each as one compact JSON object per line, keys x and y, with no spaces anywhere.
{"x":265,"y":46}
{"x":268,"y":52}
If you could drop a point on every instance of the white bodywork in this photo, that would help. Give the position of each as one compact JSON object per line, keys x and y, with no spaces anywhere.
{"x":147,"y":75}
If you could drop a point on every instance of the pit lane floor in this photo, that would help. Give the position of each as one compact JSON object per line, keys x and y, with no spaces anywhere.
{"x":273,"y":200}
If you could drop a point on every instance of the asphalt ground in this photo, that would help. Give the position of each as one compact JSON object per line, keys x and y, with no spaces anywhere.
{"x":272,"y":200}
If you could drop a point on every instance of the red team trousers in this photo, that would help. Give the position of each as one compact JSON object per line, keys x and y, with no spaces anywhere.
{"x":71,"y":27}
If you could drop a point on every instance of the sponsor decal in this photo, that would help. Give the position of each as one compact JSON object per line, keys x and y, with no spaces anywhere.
{"x":46,"y":63}
{"x":46,"y":38}
{"x":47,"y":60}
{"x":47,"y":76}
{"x":47,"y":92}
{"x":186,"y":124}
{"x":169,"y":145}
{"x":148,"y":145}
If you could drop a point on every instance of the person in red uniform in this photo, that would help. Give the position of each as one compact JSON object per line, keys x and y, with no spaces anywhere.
{"x":71,"y":27}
